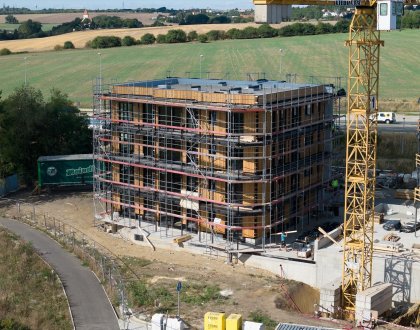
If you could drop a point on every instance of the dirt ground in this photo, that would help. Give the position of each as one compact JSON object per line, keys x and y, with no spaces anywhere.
{"x":252,"y":289}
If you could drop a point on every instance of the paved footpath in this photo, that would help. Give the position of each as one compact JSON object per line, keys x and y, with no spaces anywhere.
{"x":89,"y":304}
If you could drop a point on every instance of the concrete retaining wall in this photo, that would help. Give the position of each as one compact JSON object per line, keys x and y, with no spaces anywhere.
{"x":293,"y":270}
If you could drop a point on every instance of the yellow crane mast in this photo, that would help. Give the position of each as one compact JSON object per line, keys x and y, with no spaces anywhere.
{"x":362,"y":106}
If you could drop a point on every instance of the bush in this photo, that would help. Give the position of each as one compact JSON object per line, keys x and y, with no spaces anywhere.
{"x":147,"y":39}
{"x":5,"y":51}
{"x":68,"y":45}
{"x":176,"y":36}
{"x":342,"y":26}
{"x":203,"y":38}
{"x":193,"y":35}
{"x":249,"y":32}
{"x":233,"y":34}
{"x":128,"y":41}
{"x":161,"y":39}
{"x":215,"y":35}
{"x":106,"y":42}
{"x":297,"y":29}
{"x":58,"y":47}
{"x":88,"y":44}
{"x":266,"y":31}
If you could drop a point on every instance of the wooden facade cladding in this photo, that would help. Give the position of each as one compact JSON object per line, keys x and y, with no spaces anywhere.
{"x":217,"y":168}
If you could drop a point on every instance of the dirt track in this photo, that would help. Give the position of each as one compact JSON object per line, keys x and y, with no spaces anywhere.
{"x":253,"y":289}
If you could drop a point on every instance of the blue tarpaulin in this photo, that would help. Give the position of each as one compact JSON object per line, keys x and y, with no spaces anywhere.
{"x":9,"y":184}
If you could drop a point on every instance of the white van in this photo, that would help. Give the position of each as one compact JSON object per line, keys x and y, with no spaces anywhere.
{"x":385,"y":117}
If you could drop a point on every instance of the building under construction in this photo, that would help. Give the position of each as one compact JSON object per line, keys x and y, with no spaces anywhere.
{"x":240,"y":159}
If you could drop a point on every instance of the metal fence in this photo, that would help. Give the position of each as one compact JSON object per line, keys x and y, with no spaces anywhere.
{"x":101,"y":261}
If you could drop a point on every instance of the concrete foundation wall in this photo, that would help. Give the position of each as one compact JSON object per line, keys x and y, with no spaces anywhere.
{"x":293,"y":270}
{"x":400,"y":271}
{"x":272,"y":14}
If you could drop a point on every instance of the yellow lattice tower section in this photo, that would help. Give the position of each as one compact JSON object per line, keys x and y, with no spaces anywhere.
{"x":364,"y":44}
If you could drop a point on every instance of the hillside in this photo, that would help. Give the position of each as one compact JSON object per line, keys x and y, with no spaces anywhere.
{"x":322,"y":55}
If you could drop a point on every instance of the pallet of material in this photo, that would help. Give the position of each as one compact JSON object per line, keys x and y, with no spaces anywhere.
{"x":404,"y":194}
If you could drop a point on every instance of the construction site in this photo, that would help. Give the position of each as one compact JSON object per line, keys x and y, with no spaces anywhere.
{"x":250,"y":170}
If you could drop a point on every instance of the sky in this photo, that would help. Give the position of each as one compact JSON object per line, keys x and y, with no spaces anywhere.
{"x":106,"y":4}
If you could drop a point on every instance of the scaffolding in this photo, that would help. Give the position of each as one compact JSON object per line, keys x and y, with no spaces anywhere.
{"x":231,"y":161}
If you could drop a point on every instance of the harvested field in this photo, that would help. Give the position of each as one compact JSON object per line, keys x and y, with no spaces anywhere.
{"x":80,"y":38}
{"x":59,"y":18}
{"x":204,"y":277}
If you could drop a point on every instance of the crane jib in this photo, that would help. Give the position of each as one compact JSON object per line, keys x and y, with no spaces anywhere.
{"x":348,"y":2}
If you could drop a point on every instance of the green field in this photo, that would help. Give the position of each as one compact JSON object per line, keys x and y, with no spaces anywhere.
{"x":45,"y":27}
{"x":324,"y":55}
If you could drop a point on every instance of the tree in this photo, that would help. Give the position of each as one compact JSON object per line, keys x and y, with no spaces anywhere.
{"x":196,"y":19}
{"x":31,"y":127}
{"x":222,"y":19}
{"x":10,"y":19}
{"x":68,"y":45}
{"x":215,"y":35}
{"x":266,"y":31}
{"x":128,"y":41}
{"x":249,"y":32}
{"x":132,"y":23}
{"x":233,"y":34}
{"x":161,"y":38}
{"x":203,"y":38}
{"x":342,"y":26}
{"x":106,"y":42}
{"x":175,"y":36}
{"x":29,"y":28}
{"x":192,"y":35}
{"x":147,"y":39}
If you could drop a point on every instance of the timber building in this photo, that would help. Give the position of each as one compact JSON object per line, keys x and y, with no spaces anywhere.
{"x":234,"y":158}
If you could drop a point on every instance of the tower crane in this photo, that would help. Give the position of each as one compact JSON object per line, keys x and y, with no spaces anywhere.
{"x":364,"y":42}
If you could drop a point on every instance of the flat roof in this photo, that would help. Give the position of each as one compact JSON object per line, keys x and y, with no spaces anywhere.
{"x":253,"y":87}
{"x":66,"y":157}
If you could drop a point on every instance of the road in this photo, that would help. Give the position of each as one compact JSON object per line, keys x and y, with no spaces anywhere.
{"x":404,"y":124}
{"x":89,"y":304}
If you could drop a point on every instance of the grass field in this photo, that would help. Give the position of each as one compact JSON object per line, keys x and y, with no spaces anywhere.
{"x":324,"y":55}
{"x":45,"y":26}
{"x":30,"y":293}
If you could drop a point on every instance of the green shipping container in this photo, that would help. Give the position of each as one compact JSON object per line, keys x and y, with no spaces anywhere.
{"x":67,"y":170}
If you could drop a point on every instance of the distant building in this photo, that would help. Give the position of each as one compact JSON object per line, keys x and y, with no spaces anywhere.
{"x":85,"y":15}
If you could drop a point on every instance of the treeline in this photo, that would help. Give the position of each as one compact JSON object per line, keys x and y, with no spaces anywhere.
{"x":263,"y":31}
{"x":32,"y":126}
{"x":32,"y":29}
{"x":204,"y":19}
